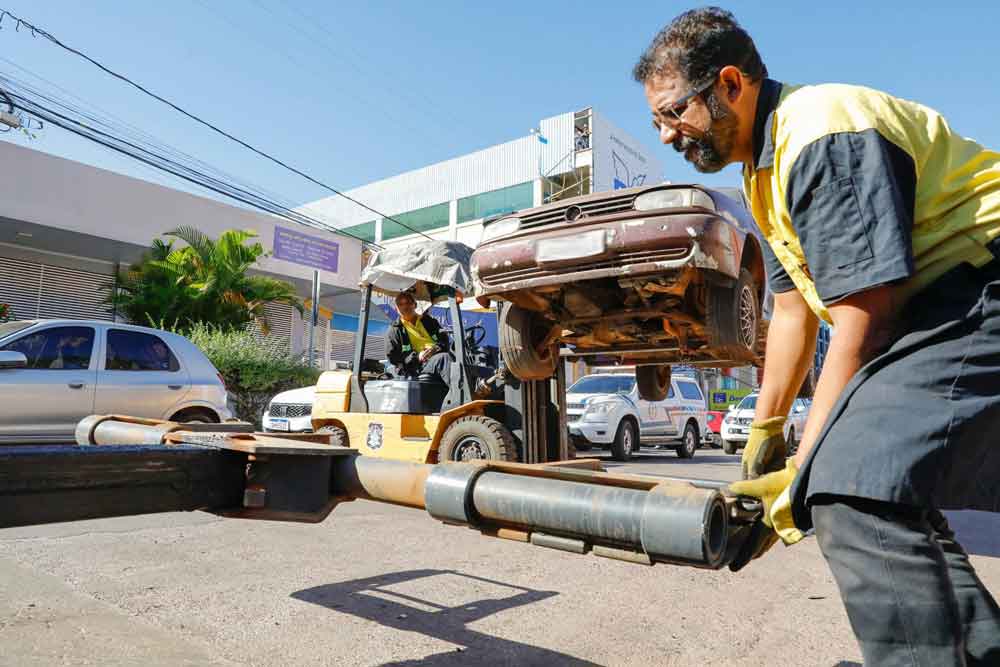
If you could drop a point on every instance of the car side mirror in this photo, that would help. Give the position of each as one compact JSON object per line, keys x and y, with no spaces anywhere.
{"x":9,"y":359}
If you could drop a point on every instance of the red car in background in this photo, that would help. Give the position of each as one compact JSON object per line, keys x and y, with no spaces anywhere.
{"x":714,"y":420}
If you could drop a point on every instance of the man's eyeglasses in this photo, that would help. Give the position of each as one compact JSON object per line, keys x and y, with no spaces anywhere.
{"x":672,"y":115}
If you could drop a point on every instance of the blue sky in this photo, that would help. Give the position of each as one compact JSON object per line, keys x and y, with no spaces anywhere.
{"x":354,"y":92}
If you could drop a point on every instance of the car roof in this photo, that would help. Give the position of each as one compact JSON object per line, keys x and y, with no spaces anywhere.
{"x":106,"y":323}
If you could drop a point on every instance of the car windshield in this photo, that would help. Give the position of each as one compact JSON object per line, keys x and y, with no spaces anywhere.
{"x":603,"y":384}
{"x":748,"y":403}
{"x":8,"y":328}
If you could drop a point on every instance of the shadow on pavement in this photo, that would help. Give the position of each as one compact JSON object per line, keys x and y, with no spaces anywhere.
{"x":978,"y":532}
{"x":848,"y":663}
{"x":379,"y":599}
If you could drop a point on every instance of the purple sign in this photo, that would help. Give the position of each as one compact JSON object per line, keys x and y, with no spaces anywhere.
{"x":299,"y":248}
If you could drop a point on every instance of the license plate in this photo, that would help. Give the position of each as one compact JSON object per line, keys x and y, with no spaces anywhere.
{"x":280,"y":425}
{"x":570,"y":247}
{"x":741,"y":431}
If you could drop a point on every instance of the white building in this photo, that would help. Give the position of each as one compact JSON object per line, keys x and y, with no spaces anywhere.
{"x":65,"y":227}
{"x":567,"y":155}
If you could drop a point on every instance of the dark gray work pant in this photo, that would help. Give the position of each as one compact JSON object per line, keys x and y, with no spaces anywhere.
{"x":912,"y":596}
{"x":440,"y":365}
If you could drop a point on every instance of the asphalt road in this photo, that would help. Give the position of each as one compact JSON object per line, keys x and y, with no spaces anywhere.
{"x":381,"y":585}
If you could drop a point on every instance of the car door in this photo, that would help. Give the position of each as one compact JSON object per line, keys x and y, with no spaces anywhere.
{"x":46,"y":399}
{"x":694,"y":403}
{"x":141,"y":376}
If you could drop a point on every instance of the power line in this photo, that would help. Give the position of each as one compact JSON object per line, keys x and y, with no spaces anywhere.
{"x":36,"y":31}
{"x":154,"y":159}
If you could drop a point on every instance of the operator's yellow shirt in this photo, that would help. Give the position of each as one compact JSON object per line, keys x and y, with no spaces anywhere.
{"x":420,"y":340}
{"x":854,"y":188}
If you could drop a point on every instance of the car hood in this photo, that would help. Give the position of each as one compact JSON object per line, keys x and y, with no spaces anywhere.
{"x":303,"y":395}
{"x":588,"y":398}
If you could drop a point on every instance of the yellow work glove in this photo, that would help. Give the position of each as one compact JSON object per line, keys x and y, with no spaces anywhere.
{"x":773,"y":489}
{"x":766,"y":449}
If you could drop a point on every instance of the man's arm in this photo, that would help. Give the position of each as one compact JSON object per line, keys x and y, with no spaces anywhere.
{"x":791,"y":343}
{"x":863,"y":323}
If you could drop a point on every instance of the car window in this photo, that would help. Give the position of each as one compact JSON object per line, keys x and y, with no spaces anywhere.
{"x":603,"y":384}
{"x":137,"y":351}
{"x":690,"y":391}
{"x":58,"y":348}
{"x":748,"y":403}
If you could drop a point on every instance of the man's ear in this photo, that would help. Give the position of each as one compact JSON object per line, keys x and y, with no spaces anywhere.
{"x":731,"y":80}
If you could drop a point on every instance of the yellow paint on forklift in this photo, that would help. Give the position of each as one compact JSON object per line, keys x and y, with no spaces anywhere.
{"x":333,"y":392}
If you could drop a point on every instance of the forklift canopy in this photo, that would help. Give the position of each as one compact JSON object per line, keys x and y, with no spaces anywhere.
{"x":420,"y":267}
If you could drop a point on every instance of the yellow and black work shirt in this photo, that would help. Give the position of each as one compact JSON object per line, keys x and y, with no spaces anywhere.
{"x":854,"y":188}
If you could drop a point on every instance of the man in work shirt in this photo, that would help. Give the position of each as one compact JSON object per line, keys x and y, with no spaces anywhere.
{"x":884,"y":222}
{"x":416,"y":342}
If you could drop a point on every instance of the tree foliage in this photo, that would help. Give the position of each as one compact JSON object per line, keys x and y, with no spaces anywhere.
{"x":254,"y":370}
{"x":204,"y":281}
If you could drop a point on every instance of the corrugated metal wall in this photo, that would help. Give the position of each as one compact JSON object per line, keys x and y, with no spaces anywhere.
{"x":36,"y":290}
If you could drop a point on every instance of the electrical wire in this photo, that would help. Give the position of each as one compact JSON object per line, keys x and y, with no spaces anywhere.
{"x":163,"y":163}
{"x":102,"y":118}
{"x":36,"y":31}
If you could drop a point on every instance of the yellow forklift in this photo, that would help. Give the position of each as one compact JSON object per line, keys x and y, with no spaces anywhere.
{"x":418,"y":419}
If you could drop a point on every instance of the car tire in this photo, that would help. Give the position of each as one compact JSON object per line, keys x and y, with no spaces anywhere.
{"x":733,"y":316}
{"x":477,"y":437}
{"x":338,"y":436}
{"x":625,"y":437}
{"x":195,"y":416}
{"x":729,"y":446}
{"x":790,"y":443}
{"x":653,"y":381}
{"x":519,"y":332}
{"x":689,"y":441}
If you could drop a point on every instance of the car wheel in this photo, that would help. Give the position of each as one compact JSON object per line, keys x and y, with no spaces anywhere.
{"x":477,"y":438}
{"x":732,"y":317}
{"x":653,"y":382}
{"x":338,"y":436}
{"x":790,"y":442}
{"x":689,"y":441}
{"x":729,"y":447}
{"x":196,"y":416}
{"x":624,"y":442}
{"x":520,"y":333}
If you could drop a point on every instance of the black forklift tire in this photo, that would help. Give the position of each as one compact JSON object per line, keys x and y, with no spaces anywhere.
{"x":518,"y":331}
{"x":477,"y":437}
{"x":733,"y":316}
{"x":338,"y":436}
{"x":729,"y":446}
{"x":689,"y":441}
{"x":653,"y":381}
{"x":623,"y":445}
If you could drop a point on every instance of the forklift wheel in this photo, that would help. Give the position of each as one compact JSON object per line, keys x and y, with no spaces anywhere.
{"x":477,"y":437}
{"x":338,"y":436}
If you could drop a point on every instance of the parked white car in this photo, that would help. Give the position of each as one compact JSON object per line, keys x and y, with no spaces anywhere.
{"x":605,"y":411}
{"x":736,"y":424}
{"x":53,"y":373}
{"x":290,"y":411}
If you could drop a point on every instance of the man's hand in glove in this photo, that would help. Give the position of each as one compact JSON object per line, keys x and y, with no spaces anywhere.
{"x":766,"y":449}
{"x":773,"y":491}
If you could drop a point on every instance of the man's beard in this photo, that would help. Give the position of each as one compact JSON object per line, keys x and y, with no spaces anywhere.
{"x":710,"y":152}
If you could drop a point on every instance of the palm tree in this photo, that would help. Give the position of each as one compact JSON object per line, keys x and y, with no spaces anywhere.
{"x":204,"y":281}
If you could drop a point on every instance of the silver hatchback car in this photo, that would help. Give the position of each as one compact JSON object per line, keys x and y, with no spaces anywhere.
{"x":53,"y":373}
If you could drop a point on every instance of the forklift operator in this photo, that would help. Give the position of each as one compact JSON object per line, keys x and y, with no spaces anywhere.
{"x":417,"y":344}
{"x":883,"y":221}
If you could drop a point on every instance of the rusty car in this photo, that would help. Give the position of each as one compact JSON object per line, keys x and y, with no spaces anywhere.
{"x":649,"y":276}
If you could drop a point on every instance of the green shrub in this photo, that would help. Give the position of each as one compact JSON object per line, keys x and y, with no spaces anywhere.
{"x":254,"y":370}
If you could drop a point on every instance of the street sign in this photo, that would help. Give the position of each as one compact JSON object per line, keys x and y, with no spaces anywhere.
{"x":298,"y":248}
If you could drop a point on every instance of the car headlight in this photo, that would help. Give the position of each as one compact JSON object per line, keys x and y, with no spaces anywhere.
{"x":502,"y":227}
{"x":673,"y":198}
{"x":598,"y":411}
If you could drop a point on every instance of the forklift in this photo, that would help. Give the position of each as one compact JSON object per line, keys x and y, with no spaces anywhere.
{"x":420,"y":419}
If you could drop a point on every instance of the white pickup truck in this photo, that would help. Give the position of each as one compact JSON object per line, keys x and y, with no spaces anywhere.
{"x":605,"y":410}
